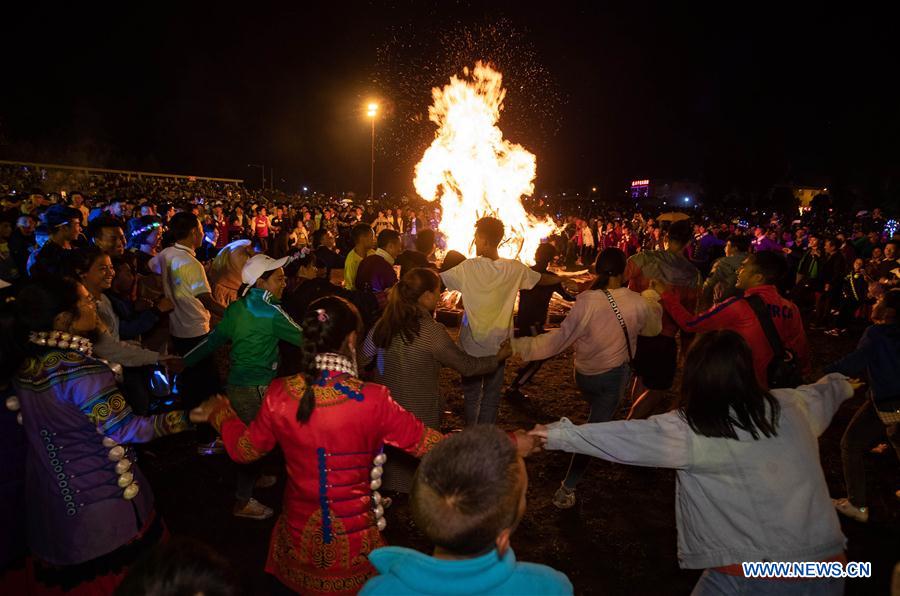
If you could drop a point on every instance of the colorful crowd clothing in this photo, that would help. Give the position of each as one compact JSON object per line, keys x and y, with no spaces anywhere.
{"x":254,"y":325}
{"x":737,"y":315}
{"x":404,"y":571}
{"x":86,"y":498}
{"x":332,"y":511}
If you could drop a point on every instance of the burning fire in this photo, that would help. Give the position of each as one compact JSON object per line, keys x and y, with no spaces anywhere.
{"x":474,"y":171}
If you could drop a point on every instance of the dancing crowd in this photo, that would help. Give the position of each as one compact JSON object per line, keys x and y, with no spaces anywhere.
{"x":298,"y":335}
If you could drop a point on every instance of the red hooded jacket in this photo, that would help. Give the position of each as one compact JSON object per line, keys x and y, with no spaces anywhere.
{"x":735,"y":314}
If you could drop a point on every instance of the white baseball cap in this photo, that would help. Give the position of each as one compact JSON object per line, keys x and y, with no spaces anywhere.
{"x":259,"y":264}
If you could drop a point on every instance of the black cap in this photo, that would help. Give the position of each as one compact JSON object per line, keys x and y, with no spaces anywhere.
{"x":60,"y":215}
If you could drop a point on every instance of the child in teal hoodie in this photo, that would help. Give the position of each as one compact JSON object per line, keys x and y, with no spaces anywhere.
{"x":468,"y":496}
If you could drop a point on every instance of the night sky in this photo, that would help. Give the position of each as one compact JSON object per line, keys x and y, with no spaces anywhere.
{"x":743,"y":97}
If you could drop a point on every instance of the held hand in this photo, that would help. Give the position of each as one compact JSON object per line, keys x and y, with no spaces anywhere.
{"x":659,"y":287}
{"x":165,"y":305}
{"x":526,"y":444}
{"x":571,"y":286}
{"x":201,"y":413}
{"x":539,"y":431}
{"x":857,"y":384}
{"x":173,"y":363}
{"x":505,"y":351}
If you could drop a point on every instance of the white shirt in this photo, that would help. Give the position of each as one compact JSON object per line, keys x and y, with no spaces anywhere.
{"x":594,"y":329}
{"x":587,"y":236}
{"x":489,"y":289}
{"x":385,"y":255}
{"x":183,"y":280}
{"x":108,"y":345}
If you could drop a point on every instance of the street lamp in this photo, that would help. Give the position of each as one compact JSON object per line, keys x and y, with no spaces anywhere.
{"x":372,"y":112}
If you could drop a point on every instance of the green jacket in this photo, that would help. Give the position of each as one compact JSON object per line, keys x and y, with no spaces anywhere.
{"x":253,"y":324}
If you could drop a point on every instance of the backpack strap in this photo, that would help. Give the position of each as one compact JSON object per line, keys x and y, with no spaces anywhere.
{"x":615,"y":308}
{"x":761,"y":310}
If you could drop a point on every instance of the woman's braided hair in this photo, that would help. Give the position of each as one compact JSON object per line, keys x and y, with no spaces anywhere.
{"x":327,"y":324}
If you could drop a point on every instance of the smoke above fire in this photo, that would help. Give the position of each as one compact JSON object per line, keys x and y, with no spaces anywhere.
{"x":473,"y":171}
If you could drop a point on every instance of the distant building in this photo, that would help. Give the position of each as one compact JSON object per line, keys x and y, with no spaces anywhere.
{"x":640,"y":189}
{"x":671,"y":193}
{"x":805,"y":194}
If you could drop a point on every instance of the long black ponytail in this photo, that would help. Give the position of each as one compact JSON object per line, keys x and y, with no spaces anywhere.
{"x":326,"y":325}
{"x":610,"y":263}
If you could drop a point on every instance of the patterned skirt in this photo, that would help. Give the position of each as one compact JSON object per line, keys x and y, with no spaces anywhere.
{"x":308,"y":565}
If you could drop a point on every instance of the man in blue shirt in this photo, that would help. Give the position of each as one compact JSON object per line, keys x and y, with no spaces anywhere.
{"x":468,"y":496}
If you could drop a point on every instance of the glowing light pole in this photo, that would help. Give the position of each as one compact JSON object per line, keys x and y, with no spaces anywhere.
{"x":372,"y":112}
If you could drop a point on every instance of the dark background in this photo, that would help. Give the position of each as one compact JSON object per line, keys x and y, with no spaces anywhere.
{"x":740,"y":96}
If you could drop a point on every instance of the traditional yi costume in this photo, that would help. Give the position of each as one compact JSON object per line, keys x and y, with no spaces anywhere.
{"x":89,"y":508}
{"x":333,"y":512}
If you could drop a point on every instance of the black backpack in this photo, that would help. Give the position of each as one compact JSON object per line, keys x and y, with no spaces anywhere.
{"x":783,"y":369}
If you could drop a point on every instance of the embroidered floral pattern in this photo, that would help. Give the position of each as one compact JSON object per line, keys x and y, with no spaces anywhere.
{"x":426,"y":443}
{"x":316,"y":567}
{"x":222,"y":413}
{"x":171,"y":423}
{"x":246,"y":451}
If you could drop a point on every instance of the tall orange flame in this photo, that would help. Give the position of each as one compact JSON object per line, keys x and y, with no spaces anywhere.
{"x":474,"y":171}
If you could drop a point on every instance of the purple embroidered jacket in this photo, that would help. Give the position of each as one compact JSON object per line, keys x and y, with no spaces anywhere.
{"x":76,"y":509}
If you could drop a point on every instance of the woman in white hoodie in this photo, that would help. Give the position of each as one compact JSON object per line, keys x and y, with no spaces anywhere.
{"x":750,"y":487}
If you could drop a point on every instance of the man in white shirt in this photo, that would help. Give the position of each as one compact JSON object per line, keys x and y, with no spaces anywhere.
{"x":489,"y":286}
{"x":185,"y":284}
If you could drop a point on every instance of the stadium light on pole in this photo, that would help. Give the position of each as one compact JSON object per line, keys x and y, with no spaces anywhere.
{"x":372,"y":112}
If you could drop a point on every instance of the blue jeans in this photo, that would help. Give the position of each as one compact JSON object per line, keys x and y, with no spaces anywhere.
{"x":482,"y":396}
{"x":714,"y":583}
{"x":603,"y":392}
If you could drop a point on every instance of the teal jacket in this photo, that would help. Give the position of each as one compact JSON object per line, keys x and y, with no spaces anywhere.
{"x":406,"y":572}
{"x":253,"y":324}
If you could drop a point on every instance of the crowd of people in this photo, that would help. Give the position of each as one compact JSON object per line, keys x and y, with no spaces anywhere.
{"x":138,"y":307}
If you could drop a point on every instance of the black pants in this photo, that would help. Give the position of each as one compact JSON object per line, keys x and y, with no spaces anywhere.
{"x":847,"y":312}
{"x":199,"y":382}
{"x":864,"y":430}
{"x":527,"y":371}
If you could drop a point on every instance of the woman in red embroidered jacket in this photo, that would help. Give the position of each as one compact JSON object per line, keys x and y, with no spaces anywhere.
{"x":332,"y":428}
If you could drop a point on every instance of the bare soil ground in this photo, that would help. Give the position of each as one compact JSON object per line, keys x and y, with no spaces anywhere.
{"x":619,"y":539}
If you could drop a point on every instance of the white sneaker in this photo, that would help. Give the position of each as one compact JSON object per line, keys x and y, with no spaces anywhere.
{"x":564,"y":498}
{"x":253,"y":509}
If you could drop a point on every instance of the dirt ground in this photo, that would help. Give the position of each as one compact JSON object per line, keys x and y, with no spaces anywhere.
{"x":619,"y":539}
